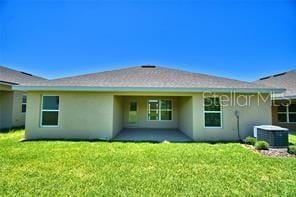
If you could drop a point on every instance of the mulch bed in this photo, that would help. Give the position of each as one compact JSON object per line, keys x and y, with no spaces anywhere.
{"x":270,"y":152}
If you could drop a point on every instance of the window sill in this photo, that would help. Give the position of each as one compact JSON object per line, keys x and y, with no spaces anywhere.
{"x":44,"y":126}
{"x":160,"y":120}
{"x":213,"y":127}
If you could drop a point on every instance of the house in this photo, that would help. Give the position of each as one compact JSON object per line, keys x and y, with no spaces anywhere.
{"x":101,"y":105}
{"x":12,"y":102}
{"x":284,"y":105}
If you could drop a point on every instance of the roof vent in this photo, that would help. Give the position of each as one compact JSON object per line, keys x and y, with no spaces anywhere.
{"x":148,"y":66}
{"x":26,"y":73}
{"x":277,"y":75}
{"x":264,"y":78}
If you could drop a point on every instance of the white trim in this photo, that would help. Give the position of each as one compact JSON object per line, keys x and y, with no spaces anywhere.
{"x":213,"y":112}
{"x":160,"y":110}
{"x":278,"y":98}
{"x":144,"y":89}
{"x":49,"y":110}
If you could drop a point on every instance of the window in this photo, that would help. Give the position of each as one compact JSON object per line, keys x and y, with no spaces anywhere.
{"x":50,"y":111}
{"x":287,"y":113}
{"x":292,"y":113}
{"x":282,"y":114}
{"x":165,"y":110}
{"x":24,"y":104}
{"x":133,"y":106}
{"x":160,"y":110}
{"x":153,"y":110}
{"x":212,"y":112}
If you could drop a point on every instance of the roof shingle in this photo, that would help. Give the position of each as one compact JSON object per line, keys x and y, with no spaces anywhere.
{"x":158,"y":77}
{"x":285,"y":80}
{"x":14,"y":77}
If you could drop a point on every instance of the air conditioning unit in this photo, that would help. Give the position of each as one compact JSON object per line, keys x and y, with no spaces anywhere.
{"x":276,"y":136}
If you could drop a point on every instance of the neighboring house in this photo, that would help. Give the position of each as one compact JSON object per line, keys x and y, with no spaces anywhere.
{"x":100,"y":105}
{"x":13,"y":103}
{"x":284,"y":105}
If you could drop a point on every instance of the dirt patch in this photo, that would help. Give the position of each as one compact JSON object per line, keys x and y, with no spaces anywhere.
{"x":270,"y":152}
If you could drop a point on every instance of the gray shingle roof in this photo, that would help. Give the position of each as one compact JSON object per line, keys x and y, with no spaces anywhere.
{"x":286,"y":80}
{"x":13,"y":77}
{"x":151,"y":77}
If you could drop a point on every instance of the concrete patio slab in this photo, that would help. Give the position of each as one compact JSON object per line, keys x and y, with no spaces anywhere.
{"x":157,"y":135}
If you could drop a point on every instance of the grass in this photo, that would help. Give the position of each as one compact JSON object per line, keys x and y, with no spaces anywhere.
{"x":292,"y":139}
{"x":132,"y":169}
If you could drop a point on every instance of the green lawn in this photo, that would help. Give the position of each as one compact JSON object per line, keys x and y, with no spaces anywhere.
{"x":292,"y":139}
{"x":121,"y":169}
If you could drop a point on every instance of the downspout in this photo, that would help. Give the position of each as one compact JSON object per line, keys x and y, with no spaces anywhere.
{"x":237,"y":115}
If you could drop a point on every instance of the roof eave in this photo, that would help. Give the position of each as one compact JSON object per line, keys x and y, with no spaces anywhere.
{"x":8,"y":83}
{"x":142,"y":89}
{"x":277,"y":98}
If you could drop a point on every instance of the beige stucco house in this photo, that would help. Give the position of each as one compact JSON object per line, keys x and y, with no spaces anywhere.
{"x":13,"y":102}
{"x":284,"y":104}
{"x":101,"y":105}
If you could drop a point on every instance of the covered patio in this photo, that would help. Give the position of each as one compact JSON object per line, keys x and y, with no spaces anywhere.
{"x":154,"y":134}
{"x":152,"y":118}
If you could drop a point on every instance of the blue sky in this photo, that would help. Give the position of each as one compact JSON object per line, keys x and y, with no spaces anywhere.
{"x":243,"y":39}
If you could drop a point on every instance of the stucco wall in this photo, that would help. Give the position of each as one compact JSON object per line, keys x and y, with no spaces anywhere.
{"x":117,"y":115}
{"x":102,"y":115}
{"x":5,"y":87}
{"x":81,"y":116}
{"x":143,"y":121}
{"x":11,"y":109}
{"x":185,"y":115}
{"x":18,"y":118}
{"x":250,"y":115}
{"x":6,"y":98}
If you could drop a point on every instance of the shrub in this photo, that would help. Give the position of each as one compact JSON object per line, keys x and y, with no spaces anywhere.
{"x":292,"y":149}
{"x":261,"y":145}
{"x":250,"y":140}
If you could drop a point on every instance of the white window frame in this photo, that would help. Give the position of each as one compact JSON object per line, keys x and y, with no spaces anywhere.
{"x":49,"y":110}
{"x":160,"y":110}
{"x":24,"y":104}
{"x":287,"y":112}
{"x":213,"y":112}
